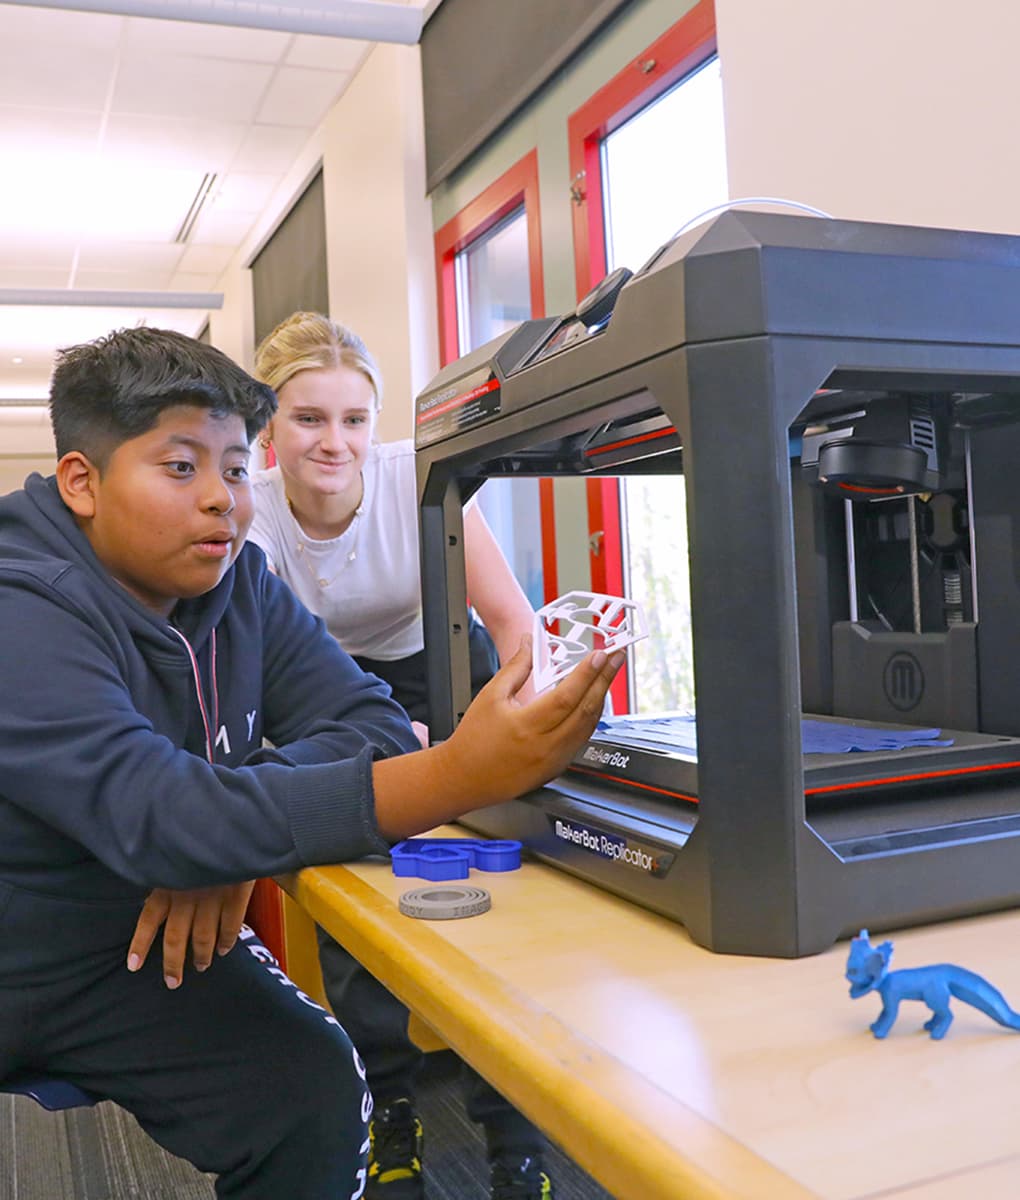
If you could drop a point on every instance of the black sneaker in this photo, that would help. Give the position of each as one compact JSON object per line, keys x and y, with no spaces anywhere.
{"x":520,"y":1179}
{"x":394,"y":1155}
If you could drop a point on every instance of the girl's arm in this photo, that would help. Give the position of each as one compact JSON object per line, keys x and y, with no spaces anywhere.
{"x":494,"y":591}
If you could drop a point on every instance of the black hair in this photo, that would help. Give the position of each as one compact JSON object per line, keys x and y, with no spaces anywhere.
{"x":105,"y":392}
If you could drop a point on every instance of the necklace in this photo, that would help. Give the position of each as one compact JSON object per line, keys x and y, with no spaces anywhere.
{"x":304,"y":550}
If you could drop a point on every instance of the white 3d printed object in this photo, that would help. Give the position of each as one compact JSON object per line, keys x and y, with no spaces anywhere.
{"x":574,"y":625}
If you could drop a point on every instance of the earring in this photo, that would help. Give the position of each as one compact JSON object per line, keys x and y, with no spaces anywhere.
{"x":264,"y":442}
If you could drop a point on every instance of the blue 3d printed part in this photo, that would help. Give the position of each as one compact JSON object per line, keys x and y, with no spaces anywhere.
{"x":867,"y":969}
{"x":437,"y":859}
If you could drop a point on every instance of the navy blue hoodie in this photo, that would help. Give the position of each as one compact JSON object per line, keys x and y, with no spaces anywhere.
{"x":109,"y":715}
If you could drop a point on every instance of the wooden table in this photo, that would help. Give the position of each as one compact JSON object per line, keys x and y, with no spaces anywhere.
{"x":671,"y":1073}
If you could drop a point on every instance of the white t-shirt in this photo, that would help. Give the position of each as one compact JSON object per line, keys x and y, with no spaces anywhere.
{"x":365,"y":584}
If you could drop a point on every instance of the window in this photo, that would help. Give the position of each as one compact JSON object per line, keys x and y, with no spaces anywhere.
{"x":491,"y":277}
{"x":662,"y":168}
{"x":489,"y":268}
{"x":648,"y":155}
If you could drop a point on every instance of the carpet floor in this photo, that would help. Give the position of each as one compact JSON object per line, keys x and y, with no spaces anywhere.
{"x":101,"y":1154}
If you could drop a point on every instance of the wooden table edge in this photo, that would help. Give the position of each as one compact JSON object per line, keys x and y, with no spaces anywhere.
{"x":555,"y":1068}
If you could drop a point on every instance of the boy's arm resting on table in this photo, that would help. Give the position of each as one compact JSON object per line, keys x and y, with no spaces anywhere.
{"x":494,"y":591}
{"x":500,"y":749}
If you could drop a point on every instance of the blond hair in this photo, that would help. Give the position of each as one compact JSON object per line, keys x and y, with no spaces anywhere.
{"x":308,"y":341}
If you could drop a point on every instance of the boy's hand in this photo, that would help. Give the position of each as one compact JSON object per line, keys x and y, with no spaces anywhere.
{"x":509,"y":742}
{"x":501,"y":748}
{"x":210,"y":917}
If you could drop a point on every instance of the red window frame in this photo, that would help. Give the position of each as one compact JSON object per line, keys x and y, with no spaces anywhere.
{"x":678,"y":52}
{"x":517,"y":186}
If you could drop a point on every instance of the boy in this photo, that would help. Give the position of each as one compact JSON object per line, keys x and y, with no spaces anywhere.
{"x":145,"y":653}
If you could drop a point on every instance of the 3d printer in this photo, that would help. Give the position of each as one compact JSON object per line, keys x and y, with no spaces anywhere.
{"x":843,"y":401}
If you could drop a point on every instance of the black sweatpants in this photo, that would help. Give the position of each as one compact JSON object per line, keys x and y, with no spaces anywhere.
{"x":377,"y":1023}
{"x":236,"y":1070}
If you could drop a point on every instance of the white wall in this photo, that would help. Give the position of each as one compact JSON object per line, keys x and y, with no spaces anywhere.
{"x":883,"y":110}
{"x":26,"y":444}
{"x":378,"y":232}
{"x":379,"y":227}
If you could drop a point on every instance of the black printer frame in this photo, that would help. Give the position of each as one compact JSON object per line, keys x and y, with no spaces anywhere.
{"x":751,"y":875}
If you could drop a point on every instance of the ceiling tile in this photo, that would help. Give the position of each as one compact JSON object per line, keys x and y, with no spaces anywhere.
{"x":97,"y":199}
{"x":222,"y":228}
{"x":180,"y":86}
{"x":174,"y":141}
{"x":298,"y":96}
{"x":327,"y":53}
{"x":107,"y":126}
{"x":206,"y":259}
{"x":46,"y":131}
{"x":203,"y":40}
{"x":50,"y":252}
{"x":107,"y":255}
{"x":84,"y":31}
{"x":243,"y":192}
{"x":53,"y":75}
{"x":270,"y":148}
{"x":195,"y":281}
{"x":140,"y":280}
{"x":34,"y":277}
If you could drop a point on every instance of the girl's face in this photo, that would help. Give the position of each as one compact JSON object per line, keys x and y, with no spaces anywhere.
{"x":323,"y":429}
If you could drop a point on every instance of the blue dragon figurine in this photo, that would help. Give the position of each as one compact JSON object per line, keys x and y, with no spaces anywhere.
{"x":867,"y":969}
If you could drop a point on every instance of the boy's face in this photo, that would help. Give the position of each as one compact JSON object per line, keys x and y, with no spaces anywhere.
{"x":170,"y":512}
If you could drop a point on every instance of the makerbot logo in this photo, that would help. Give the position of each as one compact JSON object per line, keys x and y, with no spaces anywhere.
{"x":612,"y":846}
{"x":903,"y":681}
{"x":606,"y":758}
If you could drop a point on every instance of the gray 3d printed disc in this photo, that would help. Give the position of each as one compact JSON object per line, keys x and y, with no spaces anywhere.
{"x":444,"y":902}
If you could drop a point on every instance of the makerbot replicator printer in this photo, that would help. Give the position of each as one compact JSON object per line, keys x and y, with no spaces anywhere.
{"x":843,"y":401}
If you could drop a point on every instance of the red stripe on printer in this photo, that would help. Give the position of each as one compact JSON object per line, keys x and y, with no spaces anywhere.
{"x":647,"y":787}
{"x":816,"y":791}
{"x":843,"y":787}
{"x":642,"y":437}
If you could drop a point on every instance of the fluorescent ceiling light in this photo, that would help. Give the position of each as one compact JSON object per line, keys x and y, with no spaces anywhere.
{"x":367,"y":20}
{"x":101,"y":201}
{"x":34,"y":329}
{"x":83,"y":298}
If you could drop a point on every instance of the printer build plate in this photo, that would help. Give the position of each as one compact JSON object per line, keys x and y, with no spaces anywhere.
{"x":658,"y":754}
